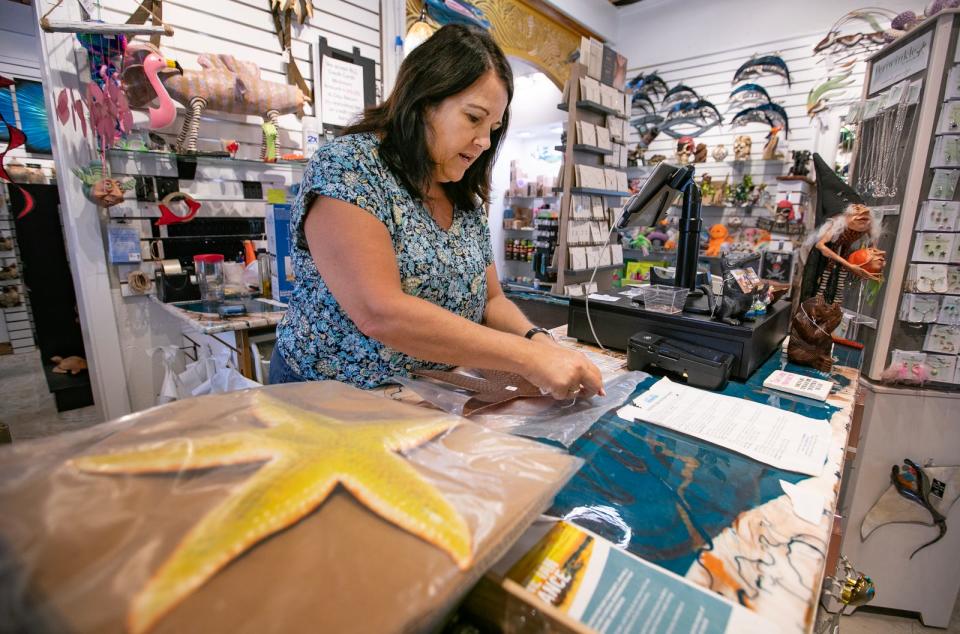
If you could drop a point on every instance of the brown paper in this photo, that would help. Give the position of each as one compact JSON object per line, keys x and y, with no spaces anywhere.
{"x":76,"y":547}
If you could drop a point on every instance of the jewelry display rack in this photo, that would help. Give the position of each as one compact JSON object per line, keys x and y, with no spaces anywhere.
{"x":906,"y":167}
{"x":607,"y":156}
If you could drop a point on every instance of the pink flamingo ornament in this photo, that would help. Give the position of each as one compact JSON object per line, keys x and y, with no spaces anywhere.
{"x":164,"y":115}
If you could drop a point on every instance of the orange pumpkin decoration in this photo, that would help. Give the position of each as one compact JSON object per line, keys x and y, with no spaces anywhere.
{"x":867,"y":259}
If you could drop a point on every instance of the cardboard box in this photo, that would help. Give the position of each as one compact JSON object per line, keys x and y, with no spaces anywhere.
{"x":562,"y":578}
{"x":277,"y":223}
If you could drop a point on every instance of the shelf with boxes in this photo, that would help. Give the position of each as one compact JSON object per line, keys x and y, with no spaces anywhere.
{"x":593,"y":180}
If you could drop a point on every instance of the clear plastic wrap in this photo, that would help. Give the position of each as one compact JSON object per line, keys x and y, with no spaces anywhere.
{"x":547,"y":418}
{"x":80,"y":545}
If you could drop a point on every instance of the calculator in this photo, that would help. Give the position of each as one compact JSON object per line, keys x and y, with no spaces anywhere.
{"x":799,"y":384}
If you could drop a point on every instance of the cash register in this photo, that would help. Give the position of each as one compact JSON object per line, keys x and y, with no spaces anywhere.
{"x":613,"y":324}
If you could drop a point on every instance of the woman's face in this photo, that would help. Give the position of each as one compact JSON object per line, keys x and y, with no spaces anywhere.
{"x":459,"y":127}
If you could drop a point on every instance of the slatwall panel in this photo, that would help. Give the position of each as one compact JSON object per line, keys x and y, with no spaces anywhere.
{"x":244,"y":28}
{"x":17,"y":320}
{"x":711,"y":76}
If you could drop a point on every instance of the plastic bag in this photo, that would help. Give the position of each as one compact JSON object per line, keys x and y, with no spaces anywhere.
{"x":79,"y":547}
{"x":221,"y":376}
{"x":546,"y":417}
{"x":211,"y":373}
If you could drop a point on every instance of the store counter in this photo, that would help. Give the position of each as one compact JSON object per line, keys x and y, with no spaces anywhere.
{"x":718,"y":519}
{"x":233,"y":332}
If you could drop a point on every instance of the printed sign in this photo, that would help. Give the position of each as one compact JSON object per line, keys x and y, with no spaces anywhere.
{"x":907,"y":60}
{"x":341,"y":91}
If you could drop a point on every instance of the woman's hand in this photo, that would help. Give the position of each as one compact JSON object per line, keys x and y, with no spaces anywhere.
{"x":564,"y":373}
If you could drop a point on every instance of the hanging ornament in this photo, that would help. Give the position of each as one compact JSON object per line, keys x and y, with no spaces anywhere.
{"x":167,"y":217}
{"x":17,"y":139}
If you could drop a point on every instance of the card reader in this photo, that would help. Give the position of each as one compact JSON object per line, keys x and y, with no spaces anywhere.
{"x":701,"y":367}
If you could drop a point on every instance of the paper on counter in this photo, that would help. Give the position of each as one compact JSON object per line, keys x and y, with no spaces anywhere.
{"x":775,"y":437}
{"x":603,"y":298}
{"x":807,"y":504}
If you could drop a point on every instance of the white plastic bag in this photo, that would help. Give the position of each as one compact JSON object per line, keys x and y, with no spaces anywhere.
{"x":221,"y":376}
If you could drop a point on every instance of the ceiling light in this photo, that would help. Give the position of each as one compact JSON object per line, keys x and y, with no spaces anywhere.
{"x":419,"y":32}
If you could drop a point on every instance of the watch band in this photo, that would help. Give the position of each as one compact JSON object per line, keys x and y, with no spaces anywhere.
{"x":537,"y":330}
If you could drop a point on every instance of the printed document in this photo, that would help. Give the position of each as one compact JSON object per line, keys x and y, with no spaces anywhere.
{"x":775,"y":437}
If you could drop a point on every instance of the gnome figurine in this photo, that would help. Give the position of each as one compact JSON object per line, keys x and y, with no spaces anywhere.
{"x":844,"y":226}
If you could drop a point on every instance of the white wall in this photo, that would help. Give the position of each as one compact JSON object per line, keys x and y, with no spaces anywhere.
{"x":599,"y":16}
{"x":533,"y":114}
{"x":701,"y":43}
{"x":656,"y":31}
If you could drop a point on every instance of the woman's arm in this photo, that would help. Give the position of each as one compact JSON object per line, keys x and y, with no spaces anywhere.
{"x":502,"y":314}
{"x":365,"y":281}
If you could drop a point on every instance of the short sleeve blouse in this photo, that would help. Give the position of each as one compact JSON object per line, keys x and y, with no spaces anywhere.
{"x":445,"y":267}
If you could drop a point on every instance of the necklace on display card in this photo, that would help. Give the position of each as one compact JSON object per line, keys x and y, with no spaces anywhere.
{"x":949,"y":118}
{"x":946,"y":152}
{"x":944,"y":184}
{"x":949,"y":311}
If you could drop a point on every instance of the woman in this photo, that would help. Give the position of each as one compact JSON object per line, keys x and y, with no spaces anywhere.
{"x":392,"y":256}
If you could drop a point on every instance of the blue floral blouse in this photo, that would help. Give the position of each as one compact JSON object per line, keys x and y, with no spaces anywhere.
{"x":448,"y":268}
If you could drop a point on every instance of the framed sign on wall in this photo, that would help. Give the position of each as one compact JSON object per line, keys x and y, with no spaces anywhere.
{"x":344,"y":84}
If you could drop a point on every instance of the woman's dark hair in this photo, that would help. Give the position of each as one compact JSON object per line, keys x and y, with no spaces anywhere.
{"x":448,"y":63}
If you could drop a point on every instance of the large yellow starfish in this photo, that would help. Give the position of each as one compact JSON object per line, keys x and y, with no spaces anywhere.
{"x":305,"y":455}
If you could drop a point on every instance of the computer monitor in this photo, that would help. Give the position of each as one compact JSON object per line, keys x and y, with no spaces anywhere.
{"x":648,"y":206}
{"x":651,"y":203}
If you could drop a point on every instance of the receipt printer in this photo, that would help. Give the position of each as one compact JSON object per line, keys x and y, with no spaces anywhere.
{"x":701,"y":367}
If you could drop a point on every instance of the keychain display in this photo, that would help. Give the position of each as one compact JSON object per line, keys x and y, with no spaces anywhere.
{"x":942,"y":339}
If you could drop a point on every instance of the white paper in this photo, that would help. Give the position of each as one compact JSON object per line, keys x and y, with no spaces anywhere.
{"x":807,"y":504}
{"x":341,"y":91}
{"x":776,"y":437}
{"x":603,"y":298}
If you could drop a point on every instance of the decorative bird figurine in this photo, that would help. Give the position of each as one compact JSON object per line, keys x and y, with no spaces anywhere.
{"x":163,"y":115}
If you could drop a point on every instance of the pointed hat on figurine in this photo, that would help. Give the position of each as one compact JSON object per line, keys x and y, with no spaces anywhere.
{"x":833,"y":195}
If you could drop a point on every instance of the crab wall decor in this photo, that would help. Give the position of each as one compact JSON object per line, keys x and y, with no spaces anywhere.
{"x":224,"y":84}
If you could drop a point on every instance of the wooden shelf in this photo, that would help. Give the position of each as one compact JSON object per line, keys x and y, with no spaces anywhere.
{"x":580,"y":147}
{"x":593,"y":106}
{"x":595,"y":192}
{"x":606,"y":267}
